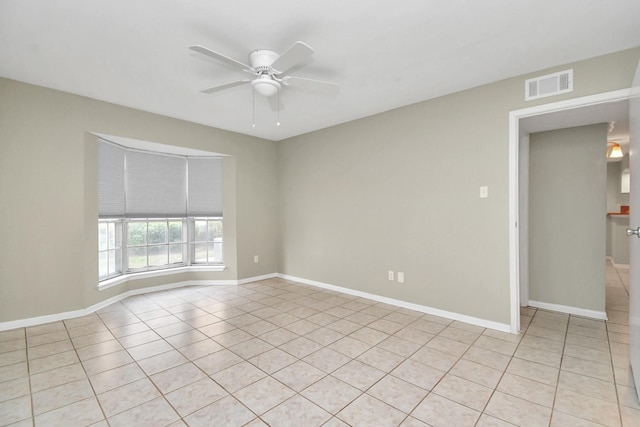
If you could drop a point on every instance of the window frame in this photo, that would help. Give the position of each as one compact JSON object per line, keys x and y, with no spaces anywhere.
{"x":127,"y":247}
{"x":117,"y":248}
{"x":193,"y":242}
{"x":188,"y":243}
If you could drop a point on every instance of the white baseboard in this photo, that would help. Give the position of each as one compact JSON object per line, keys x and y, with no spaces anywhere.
{"x":620,"y":266}
{"x":39,"y":320}
{"x":257,"y":278}
{"x":502,"y":327}
{"x":594,"y":314}
{"x":32,"y":321}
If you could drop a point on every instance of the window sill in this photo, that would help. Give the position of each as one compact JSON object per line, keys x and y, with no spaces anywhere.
{"x":109,"y":283}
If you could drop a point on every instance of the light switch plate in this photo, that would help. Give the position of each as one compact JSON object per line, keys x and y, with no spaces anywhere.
{"x":484,"y":192}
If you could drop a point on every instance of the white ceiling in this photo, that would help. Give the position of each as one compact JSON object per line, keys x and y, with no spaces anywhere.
{"x":614,"y":113}
{"x":384,"y":54}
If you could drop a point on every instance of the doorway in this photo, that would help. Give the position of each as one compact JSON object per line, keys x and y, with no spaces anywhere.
{"x":570,"y":113}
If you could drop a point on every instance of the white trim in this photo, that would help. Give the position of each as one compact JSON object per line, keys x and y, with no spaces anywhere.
{"x":109,"y":283}
{"x":503,"y":327}
{"x":617,"y":266}
{"x":256,"y":278}
{"x":523,"y":218}
{"x":154,"y":147}
{"x":514,"y":238}
{"x":32,"y":321}
{"x":514,"y":140}
{"x":594,"y":314}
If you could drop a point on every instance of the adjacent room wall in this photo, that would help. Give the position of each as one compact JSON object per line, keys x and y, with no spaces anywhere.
{"x":617,"y":240}
{"x":615,"y":198}
{"x":48,"y":188}
{"x":400,"y":191}
{"x":567,"y":225}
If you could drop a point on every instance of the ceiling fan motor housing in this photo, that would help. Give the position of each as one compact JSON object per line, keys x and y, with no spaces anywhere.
{"x":261,"y":59}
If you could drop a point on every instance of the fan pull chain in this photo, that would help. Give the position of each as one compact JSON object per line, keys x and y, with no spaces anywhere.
{"x":254,"y":107}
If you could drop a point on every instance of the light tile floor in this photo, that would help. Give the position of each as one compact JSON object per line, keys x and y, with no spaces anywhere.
{"x":283,"y":354}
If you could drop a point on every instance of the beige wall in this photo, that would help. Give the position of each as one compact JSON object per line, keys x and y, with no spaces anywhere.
{"x":400,"y":191}
{"x":615,"y":198}
{"x":48,"y":188}
{"x":617,"y":240}
{"x":567,"y":222}
{"x":397,"y":191}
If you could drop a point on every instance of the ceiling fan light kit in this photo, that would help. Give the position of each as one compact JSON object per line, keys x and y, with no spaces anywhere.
{"x":269,"y":68}
{"x":266,"y":85}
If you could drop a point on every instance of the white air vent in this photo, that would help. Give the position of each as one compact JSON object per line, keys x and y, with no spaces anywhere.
{"x":550,"y":84}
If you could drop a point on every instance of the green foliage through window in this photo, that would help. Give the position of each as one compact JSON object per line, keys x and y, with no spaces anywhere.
{"x":150,"y":244}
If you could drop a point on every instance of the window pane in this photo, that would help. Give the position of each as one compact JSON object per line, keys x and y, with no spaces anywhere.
{"x":118,"y":236}
{"x":118,"y":264}
{"x":176,"y":254}
{"x":137,"y":257}
{"x":137,"y":234}
{"x":210,"y":257}
{"x":216,"y":252}
{"x":111,"y":226}
{"x":103,"y":264}
{"x":215,"y":229}
{"x":152,"y":244}
{"x":175,"y":232}
{"x":157,"y":232}
{"x":102,"y":236}
{"x":158,"y":255}
{"x":201,"y":231}
{"x":200,"y":252}
{"x":112,"y":262}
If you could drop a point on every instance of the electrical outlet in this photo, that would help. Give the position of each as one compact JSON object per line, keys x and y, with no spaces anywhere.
{"x":400,"y":277}
{"x":391,"y":275}
{"x":256,"y":259}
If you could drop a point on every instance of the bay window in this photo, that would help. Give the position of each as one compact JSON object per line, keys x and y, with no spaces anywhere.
{"x":157,"y":211}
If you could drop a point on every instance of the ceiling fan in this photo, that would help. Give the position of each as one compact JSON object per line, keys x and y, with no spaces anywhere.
{"x":270,"y":68}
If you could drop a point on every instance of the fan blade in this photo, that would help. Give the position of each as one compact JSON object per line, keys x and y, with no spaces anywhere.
{"x":317,"y":85}
{"x":226,"y":86}
{"x":276,"y":102}
{"x":296,"y":54}
{"x":220,"y":57}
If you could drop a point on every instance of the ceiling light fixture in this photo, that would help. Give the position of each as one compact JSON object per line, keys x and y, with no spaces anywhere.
{"x":614,"y":151}
{"x":266,"y":86}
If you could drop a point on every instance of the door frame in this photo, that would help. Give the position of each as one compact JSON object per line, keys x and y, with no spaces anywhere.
{"x":515,"y":157}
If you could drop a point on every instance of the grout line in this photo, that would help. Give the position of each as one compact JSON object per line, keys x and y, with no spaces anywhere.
{"x":26,"y":352}
{"x":564,"y":344}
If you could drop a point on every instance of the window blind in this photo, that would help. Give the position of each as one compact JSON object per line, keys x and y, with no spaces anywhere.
{"x":155,"y":185}
{"x":205,"y":187}
{"x":111,"y":200}
{"x":137,"y":184}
